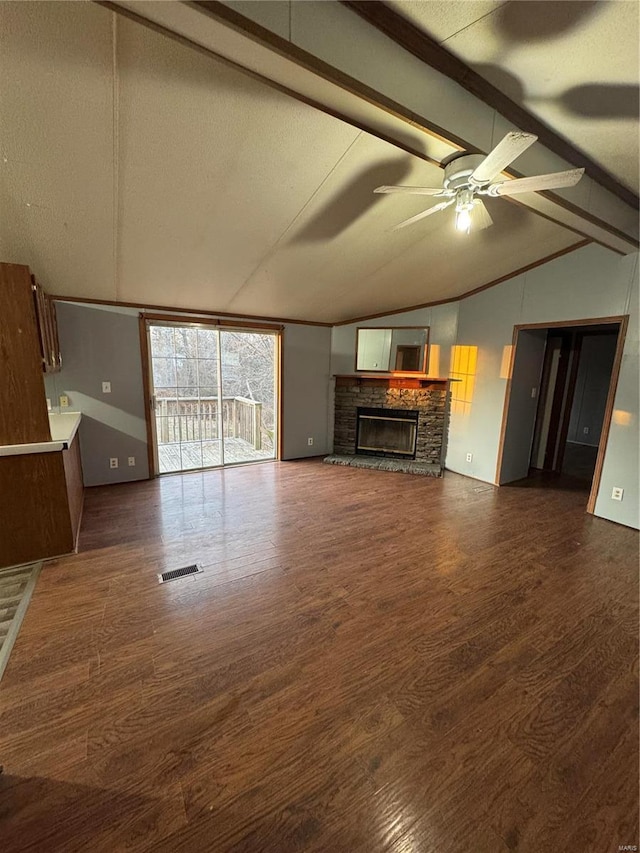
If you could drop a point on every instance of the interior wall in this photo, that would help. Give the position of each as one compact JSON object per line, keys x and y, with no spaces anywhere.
{"x":306,"y":391}
{"x":589,"y":283}
{"x":547,"y":389}
{"x":622,"y":459}
{"x":102,"y":343}
{"x":592,"y":387}
{"x":523,"y":404}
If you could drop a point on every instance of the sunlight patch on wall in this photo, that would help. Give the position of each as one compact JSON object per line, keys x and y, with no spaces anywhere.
{"x":463,"y":369}
{"x":622,"y":418}
{"x":505,"y":364}
{"x":434,"y":360}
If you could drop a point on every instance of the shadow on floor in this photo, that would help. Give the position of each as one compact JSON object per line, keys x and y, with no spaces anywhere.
{"x":38,"y":813}
{"x":579,"y":461}
{"x":578,"y":466}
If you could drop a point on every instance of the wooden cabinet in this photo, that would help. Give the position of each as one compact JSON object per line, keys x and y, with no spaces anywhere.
{"x":47,"y":329}
{"x":23,"y":405}
{"x":41,"y":496}
{"x":41,"y":481}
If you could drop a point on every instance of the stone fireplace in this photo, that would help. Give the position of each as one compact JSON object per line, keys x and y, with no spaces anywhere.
{"x":373,"y":402}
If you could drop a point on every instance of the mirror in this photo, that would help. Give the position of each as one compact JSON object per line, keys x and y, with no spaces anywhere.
{"x":400,"y":349}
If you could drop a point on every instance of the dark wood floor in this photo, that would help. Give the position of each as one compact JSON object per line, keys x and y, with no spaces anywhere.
{"x":371,"y":661}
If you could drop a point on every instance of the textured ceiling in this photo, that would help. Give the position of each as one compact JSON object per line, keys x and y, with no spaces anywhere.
{"x":155,"y":174}
{"x":571,"y":63}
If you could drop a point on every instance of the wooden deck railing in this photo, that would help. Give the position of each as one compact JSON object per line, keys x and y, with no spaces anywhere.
{"x":197,"y":419}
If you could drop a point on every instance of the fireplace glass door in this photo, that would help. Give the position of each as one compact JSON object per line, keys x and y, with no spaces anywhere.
{"x":387,"y":432}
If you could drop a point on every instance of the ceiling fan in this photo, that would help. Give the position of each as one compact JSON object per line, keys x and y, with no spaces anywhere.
{"x":469,"y":176}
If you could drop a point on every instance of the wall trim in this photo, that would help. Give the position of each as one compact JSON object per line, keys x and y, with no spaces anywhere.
{"x":190,"y":311}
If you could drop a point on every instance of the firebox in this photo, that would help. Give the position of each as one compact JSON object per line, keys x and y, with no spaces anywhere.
{"x":387,"y":432}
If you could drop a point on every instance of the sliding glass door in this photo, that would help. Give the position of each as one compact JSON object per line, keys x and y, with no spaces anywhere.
{"x":213,"y":395}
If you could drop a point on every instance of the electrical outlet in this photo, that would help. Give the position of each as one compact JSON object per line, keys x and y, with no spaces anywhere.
{"x":534,"y":391}
{"x":469,"y":457}
{"x":113,"y":462}
{"x":586,"y":430}
{"x":617,"y":493}
{"x":106,"y":387}
{"x":310,"y":441}
{"x":64,"y":401}
{"x":132,"y":461}
{"x":48,"y":404}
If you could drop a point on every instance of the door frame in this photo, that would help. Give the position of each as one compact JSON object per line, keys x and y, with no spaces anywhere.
{"x":622,"y":321}
{"x":145,"y":319}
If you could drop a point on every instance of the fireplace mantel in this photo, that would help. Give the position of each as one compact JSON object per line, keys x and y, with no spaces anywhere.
{"x":392,"y":380}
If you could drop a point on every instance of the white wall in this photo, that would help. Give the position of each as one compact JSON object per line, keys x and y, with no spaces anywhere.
{"x":591,"y":282}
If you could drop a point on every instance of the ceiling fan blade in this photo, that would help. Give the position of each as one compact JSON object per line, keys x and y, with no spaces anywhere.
{"x":553,"y":181}
{"x":504,"y":153}
{"x":411,"y":190}
{"x":423,"y":214}
{"x":480,"y":216}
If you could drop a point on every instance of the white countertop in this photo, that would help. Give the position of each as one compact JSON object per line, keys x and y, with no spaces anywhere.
{"x":63,"y":429}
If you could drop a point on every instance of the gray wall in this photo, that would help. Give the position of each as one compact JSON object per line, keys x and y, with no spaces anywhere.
{"x":621,"y":463}
{"x":101,"y":343}
{"x":523,"y":404}
{"x":592,"y":388}
{"x":305,"y":390}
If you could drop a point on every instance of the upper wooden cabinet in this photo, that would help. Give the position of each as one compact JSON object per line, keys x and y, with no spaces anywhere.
{"x":23,"y":405}
{"x":47,"y":329}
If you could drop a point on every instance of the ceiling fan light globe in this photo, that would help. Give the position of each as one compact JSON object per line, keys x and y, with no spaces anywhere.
{"x":463,"y":220}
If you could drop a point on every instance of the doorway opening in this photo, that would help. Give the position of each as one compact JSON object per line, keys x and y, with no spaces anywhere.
{"x":559,"y":403}
{"x":213,"y":396}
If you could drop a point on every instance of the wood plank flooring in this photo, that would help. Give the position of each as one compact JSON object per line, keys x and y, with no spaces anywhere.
{"x":370,"y":662}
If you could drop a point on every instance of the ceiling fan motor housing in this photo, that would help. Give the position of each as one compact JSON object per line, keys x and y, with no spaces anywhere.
{"x":458,"y":171}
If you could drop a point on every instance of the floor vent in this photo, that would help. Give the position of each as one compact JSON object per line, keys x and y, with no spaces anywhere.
{"x":176,"y":574}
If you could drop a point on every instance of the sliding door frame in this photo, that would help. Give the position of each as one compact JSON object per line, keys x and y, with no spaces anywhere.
{"x":147,"y":319}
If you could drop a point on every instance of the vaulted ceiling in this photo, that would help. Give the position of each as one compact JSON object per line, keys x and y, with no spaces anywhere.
{"x":136,"y":168}
{"x":572,"y":64}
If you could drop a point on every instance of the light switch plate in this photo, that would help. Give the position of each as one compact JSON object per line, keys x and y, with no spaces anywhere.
{"x":106,"y":387}
{"x":64,"y":401}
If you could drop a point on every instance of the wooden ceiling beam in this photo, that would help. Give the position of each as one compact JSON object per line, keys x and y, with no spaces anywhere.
{"x":423,"y":47}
